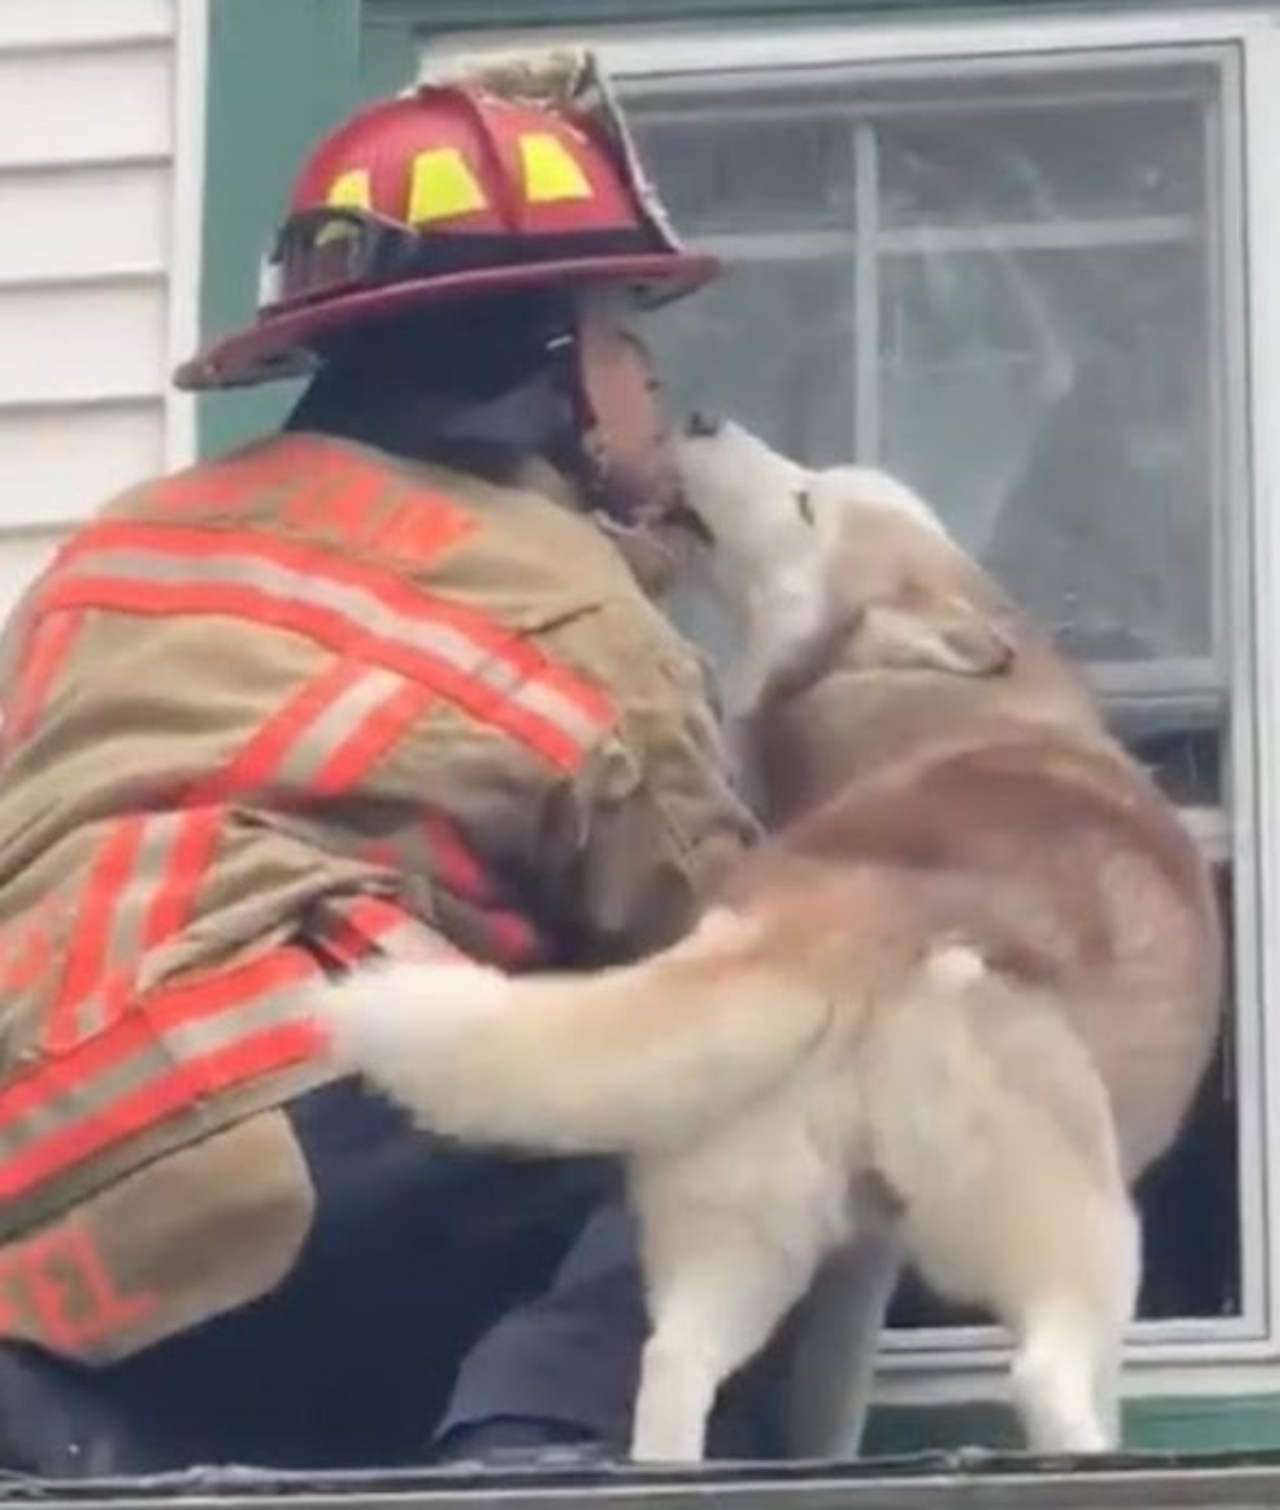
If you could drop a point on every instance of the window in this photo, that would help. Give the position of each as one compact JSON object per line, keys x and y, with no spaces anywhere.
{"x":1009,"y":283}
{"x":1002,"y":287}
{"x":1010,"y":265}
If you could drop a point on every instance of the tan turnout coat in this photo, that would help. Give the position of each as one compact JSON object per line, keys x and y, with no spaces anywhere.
{"x":260,"y":718}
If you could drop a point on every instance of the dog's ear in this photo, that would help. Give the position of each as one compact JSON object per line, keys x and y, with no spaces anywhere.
{"x":949,"y":635}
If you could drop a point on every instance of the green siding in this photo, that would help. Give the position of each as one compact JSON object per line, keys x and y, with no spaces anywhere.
{"x":279,"y":72}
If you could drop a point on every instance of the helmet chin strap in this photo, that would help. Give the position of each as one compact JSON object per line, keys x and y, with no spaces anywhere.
{"x":617,"y":449}
{"x":591,"y":412}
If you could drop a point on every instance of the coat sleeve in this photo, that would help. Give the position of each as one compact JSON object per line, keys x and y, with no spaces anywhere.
{"x":641,"y":838}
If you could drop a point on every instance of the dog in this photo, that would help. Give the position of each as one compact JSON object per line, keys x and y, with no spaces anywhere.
{"x":959,"y":1000}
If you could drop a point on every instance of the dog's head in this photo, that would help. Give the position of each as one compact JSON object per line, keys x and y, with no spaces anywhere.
{"x":846,"y":565}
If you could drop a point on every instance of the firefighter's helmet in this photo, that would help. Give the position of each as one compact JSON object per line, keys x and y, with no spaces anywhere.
{"x":447,"y":192}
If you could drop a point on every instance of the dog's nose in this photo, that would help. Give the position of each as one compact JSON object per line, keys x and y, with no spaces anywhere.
{"x":701,"y":426}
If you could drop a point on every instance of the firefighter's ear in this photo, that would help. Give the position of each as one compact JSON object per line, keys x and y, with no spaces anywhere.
{"x":948,"y":635}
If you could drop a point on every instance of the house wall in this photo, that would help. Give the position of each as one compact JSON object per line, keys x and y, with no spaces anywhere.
{"x":101,"y":149}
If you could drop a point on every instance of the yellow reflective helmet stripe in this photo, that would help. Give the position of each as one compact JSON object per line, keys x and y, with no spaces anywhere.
{"x":550,"y":172}
{"x":442,"y":186}
{"x":350,"y":190}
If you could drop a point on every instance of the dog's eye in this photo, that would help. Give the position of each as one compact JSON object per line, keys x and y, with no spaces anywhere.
{"x":804,"y":505}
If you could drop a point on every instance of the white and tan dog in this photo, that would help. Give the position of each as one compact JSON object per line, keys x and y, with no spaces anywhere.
{"x":963,"y":998}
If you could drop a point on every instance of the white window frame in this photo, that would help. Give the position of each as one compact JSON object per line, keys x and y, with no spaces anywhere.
{"x":1202,"y":1357}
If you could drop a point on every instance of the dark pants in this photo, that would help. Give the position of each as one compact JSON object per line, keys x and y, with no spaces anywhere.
{"x":438,"y":1288}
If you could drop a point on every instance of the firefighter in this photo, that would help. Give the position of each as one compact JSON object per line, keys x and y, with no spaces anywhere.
{"x":388,"y":681}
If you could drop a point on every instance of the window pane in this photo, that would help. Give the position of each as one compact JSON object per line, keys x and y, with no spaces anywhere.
{"x":1108,"y":161}
{"x":1038,"y":250}
{"x":1058,"y":403}
{"x":750,"y":173}
{"x":772,"y":345}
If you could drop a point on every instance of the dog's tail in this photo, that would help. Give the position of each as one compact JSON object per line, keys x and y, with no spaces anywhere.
{"x":611,"y":1062}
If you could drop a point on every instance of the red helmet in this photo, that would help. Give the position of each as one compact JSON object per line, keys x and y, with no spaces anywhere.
{"x":448,"y":192}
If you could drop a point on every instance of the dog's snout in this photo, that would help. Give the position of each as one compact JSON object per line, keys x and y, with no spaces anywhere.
{"x":701,"y":426}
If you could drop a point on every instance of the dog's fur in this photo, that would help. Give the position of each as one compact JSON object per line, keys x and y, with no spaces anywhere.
{"x":964,"y":997}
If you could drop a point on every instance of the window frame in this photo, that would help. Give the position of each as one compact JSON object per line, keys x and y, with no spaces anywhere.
{"x":1184,"y":1356}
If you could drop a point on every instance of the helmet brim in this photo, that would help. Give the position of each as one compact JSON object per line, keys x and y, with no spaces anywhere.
{"x":279,"y":344}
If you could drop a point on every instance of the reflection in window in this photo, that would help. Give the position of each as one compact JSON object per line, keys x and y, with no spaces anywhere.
{"x":1003,"y":293}
{"x":1078,"y":368}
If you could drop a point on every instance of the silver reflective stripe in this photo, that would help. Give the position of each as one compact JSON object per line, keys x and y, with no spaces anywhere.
{"x":413,"y":941}
{"x":422,"y":634}
{"x":175,"y":1047}
{"x":124,"y":941}
{"x":317,"y":743}
{"x":554,"y":707}
{"x":408,"y":939}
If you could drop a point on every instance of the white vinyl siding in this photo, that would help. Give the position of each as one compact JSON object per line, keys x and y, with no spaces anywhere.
{"x":101,"y":148}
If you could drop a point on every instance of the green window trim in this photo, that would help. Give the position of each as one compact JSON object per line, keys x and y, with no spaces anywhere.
{"x":279,"y":73}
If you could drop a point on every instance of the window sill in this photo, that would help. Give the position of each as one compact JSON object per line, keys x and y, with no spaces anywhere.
{"x":1243,"y":1415}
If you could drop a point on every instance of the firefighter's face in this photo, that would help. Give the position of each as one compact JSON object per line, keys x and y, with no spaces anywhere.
{"x":627,"y":433}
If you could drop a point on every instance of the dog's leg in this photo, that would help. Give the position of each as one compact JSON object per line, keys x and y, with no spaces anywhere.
{"x":1071,"y":1324}
{"x":729,"y":1245}
{"x":1066,"y":1372}
{"x":1125,"y":1286}
{"x":712,"y":1310}
{"x":1013,"y":1195}
{"x":1106,"y":1394}
{"x":1053,"y":1380}
{"x":839,"y":1323}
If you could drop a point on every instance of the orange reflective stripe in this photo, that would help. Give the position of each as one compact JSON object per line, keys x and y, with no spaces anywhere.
{"x":325,"y":737}
{"x":438,"y":848}
{"x":393,"y":930}
{"x":495,"y":675}
{"x":42,"y":659}
{"x":259,"y":763}
{"x":457,"y":866}
{"x":89,"y":959}
{"x":139,"y":892}
{"x":350,"y":928}
{"x":250,"y":1057}
{"x":197,"y":1038}
{"x":191,"y":1040}
{"x":27,"y":952}
{"x":391,"y":716}
{"x":196,"y":835}
{"x":512,"y":938}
